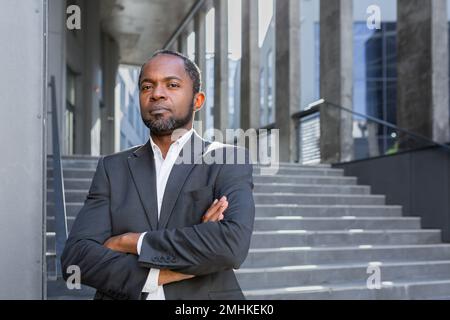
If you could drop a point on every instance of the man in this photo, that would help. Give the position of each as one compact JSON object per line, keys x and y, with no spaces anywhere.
{"x":154,"y":228}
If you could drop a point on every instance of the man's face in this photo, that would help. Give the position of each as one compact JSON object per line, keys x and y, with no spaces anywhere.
{"x":166,"y":95}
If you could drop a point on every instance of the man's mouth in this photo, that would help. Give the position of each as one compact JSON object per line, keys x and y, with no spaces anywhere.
{"x":159,"y":110}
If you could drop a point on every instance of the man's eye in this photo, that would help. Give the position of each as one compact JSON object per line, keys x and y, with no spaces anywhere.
{"x":174,"y":85}
{"x":146,"y":87}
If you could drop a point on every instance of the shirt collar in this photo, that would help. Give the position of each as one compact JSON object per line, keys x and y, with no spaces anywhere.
{"x":179,"y":143}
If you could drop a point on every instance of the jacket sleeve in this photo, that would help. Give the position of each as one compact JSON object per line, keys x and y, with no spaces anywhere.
{"x":115,"y":274}
{"x":213,"y":246}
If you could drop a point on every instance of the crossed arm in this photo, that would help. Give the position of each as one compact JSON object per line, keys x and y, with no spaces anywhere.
{"x":128,"y":242}
{"x":109,"y":264}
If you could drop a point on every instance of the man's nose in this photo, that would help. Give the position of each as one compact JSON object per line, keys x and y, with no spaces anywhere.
{"x":158,"y":93}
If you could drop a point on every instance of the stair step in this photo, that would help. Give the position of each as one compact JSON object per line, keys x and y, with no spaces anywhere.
{"x":51,"y":223}
{"x":310,"y":188}
{"x":299,"y":171}
{"x":80,"y":184}
{"x":314,"y":275}
{"x":72,"y":209}
{"x":291,"y":238}
{"x":74,"y":173}
{"x":400,"y":290}
{"x":305,"y":179}
{"x":335,"y":223}
{"x":284,"y":256}
{"x":271,"y":210}
{"x":319,"y":199}
{"x":70,"y":195}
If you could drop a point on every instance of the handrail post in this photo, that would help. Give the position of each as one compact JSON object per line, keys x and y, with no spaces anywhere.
{"x":58,"y":184}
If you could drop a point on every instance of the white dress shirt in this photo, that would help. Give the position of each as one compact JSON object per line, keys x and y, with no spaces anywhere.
{"x":163,"y":167}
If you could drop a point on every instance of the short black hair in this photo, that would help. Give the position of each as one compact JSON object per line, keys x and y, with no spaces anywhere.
{"x":190,"y":66}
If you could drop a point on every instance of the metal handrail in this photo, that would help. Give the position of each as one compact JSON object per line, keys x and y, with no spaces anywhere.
{"x":315,"y":107}
{"x":58,"y":184}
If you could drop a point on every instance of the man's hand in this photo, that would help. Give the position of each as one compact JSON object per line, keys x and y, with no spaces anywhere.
{"x":214,"y":214}
{"x":167,"y":276}
{"x":125,"y":243}
{"x":216,"y":210}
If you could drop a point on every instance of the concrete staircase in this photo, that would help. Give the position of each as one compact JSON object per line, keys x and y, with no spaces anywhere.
{"x":316,"y":234}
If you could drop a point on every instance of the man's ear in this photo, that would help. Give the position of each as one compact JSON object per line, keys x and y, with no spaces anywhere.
{"x":199,"y":100}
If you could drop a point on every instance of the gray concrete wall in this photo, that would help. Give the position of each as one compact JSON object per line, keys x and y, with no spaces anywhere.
{"x":418,"y":180}
{"x":23,"y":86}
{"x":422,"y":46}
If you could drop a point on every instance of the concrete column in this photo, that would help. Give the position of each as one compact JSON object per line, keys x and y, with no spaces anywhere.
{"x":110,"y":64}
{"x":221,"y":65}
{"x":182,"y":44}
{"x":91,"y":76}
{"x":287,"y":74}
{"x":422,"y":45}
{"x":200,"y":60}
{"x":23,"y":88}
{"x":250,"y":66}
{"x":336,"y":79}
{"x":57,"y":67}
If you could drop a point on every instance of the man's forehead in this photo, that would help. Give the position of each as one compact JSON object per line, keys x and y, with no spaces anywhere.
{"x":164,"y":65}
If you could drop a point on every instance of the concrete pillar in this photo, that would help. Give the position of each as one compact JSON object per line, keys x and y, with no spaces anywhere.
{"x":336,"y":79}
{"x":250,"y":66}
{"x":91,"y":75}
{"x":23,"y":88}
{"x":182,"y":44}
{"x":110,"y":64}
{"x":200,"y":60}
{"x":221,"y":65}
{"x":287,"y":74}
{"x":57,"y":67}
{"x":422,"y":65}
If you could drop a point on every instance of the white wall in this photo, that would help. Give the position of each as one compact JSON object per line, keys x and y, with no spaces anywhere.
{"x":22,"y":141}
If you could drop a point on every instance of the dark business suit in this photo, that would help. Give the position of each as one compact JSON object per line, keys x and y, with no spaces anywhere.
{"x":122,"y":198}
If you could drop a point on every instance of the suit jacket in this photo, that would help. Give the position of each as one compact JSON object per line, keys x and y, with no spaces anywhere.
{"x":122,"y":198}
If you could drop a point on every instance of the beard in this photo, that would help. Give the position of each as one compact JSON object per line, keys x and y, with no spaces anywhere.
{"x":161,"y":126}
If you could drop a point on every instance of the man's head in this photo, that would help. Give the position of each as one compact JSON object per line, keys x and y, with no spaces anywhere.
{"x":169,"y":92}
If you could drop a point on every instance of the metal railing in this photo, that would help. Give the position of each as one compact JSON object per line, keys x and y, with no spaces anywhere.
{"x":58,"y":184}
{"x":370,"y":136}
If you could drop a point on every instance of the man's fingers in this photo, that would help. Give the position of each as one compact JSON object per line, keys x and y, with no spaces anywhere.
{"x":218,"y":214}
{"x":216,"y":208}
{"x":215,"y":205}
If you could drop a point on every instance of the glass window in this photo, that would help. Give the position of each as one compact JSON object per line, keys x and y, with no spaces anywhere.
{"x":209,"y":72}
{"x":234,"y":60}
{"x":262,"y":98}
{"x":191,"y":46}
{"x":69,"y":113}
{"x":375,"y":71}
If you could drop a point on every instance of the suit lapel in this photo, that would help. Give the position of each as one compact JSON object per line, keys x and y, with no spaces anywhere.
{"x":193,"y":149}
{"x":142,"y":167}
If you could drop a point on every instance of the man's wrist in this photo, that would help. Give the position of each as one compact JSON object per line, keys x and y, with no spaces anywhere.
{"x":129,"y":241}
